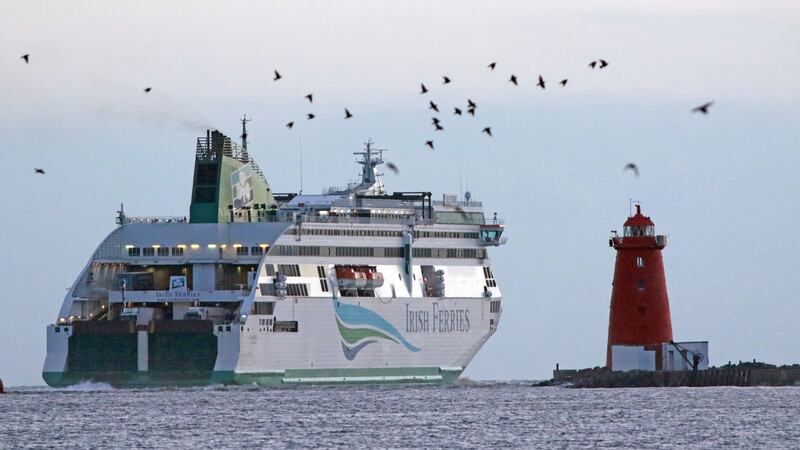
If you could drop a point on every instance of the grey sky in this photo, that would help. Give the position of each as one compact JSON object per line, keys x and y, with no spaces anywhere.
{"x":724,"y":186}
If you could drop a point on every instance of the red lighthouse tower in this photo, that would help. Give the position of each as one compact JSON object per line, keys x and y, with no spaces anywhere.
{"x":639,"y":304}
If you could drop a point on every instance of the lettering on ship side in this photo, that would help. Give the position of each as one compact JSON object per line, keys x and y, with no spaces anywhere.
{"x":436,"y":320}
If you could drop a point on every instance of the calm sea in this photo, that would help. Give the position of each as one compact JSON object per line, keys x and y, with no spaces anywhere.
{"x":479,"y":415}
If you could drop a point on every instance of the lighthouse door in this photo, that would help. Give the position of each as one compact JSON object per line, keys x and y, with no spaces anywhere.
{"x":671,"y":360}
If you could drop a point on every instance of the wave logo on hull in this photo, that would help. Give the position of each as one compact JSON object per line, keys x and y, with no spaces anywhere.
{"x":360,"y":327}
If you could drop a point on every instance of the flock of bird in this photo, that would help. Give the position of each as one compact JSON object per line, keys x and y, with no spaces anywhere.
{"x":471,"y":106}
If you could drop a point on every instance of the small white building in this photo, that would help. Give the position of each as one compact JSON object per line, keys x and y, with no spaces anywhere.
{"x":670,"y":356}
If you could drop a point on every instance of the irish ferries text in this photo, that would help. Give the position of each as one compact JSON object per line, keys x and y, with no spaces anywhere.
{"x":436,"y":320}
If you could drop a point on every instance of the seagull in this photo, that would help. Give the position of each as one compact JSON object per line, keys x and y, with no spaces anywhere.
{"x":463,"y":213}
{"x":492,"y":65}
{"x":541,"y":82}
{"x":433,"y":106}
{"x":434,"y":120}
{"x":25,"y":57}
{"x":593,"y":64}
{"x":471,"y":112}
{"x":277,"y":76}
{"x":347,"y":114}
{"x":471,"y":104}
{"x":290,"y":125}
{"x":429,"y":144}
{"x":310,"y":116}
{"x":438,"y":127}
{"x":456,"y":111}
{"x":603,"y":63}
{"x":424,"y":89}
{"x":147,"y":89}
{"x":488,"y":130}
{"x":446,"y":80}
{"x":310,"y":98}
{"x":393,"y":167}
{"x":632,"y":167}
{"x":38,"y":171}
{"x":513,"y":79}
{"x":703,"y":108}
{"x":564,"y":82}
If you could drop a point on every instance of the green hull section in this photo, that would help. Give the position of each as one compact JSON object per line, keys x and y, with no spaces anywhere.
{"x":400,"y":375}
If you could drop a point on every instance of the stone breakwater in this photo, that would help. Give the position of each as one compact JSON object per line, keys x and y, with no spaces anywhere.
{"x":745,"y":374}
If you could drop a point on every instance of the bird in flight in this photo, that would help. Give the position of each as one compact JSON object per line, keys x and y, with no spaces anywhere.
{"x":471,"y":112}
{"x":463,"y":213}
{"x":603,"y":63}
{"x":471,"y":104}
{"x":541,"y":82}
{"x":310,"y":116}
{"x":593,"y":64}
{"x":38,"y":171}
{"x":347,"y":114}
{"x":632,"y":167}
{"x":446,"y":80}
{"x":457,"y":111}
{"x":564,"y":82}
{"x":488,"y":130}
{"x":434,"y":120}
{"x":513,"y":79}
{"x":703,"y":108}
{"x":310,"y":98}
{"x":433,"y":106}
{"x":424,"y":89}
{"x":429,"y":144}
{"x":277,"y":76}
{"x":25,"y":57}
{"x":393,"y":167}
{"x":438,"y":127}
{"x":147,"y":89}
{"x":492,"y":66}
{"x":290,"y":125}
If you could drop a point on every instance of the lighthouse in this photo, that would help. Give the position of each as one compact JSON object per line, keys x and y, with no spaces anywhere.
{"x":639,"y":324}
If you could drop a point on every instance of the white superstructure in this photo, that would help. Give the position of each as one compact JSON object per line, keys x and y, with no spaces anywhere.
{"x":353,"y":285}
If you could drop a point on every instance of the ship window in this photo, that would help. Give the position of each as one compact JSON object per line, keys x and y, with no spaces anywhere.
{"x":148,"y":251}
{"x":290,"y":270}
{"x":241,"y":251}
{"x":639,"y":261}
{"x":177,"y":251}
{"x":489,"y":276}
{"x":270,"y":269}
{"x":297,"y":290}
{"x":134,"y":251}
{"x":256,"y":251}
{"x":263,"y":308}
{"x":163,"y":251}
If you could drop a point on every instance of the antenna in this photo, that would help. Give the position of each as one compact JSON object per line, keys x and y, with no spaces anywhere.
{"x":460,"y":183}
{"x":300,"y":141}
{"x":244,"y":130}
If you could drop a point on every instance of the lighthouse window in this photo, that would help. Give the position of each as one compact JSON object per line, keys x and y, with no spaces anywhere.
{"x":641,"y":285}
{"x":639,"y":261}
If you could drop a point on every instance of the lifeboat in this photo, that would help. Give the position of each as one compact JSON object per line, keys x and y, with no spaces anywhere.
{"x":349,"y":278}
{"x":358,"y":277}
{"x":374,"y":278}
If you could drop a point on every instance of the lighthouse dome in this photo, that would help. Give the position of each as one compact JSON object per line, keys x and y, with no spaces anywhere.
{"x":639,"y":225}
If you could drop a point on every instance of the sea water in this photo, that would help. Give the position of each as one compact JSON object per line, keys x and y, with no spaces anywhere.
{"x":471,"y":415}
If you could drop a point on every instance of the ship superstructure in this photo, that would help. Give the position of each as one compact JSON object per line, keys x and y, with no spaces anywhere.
{"x":354,"y":285}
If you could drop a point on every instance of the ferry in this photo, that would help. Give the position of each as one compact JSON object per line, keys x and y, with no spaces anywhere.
{"x":353,"y":285}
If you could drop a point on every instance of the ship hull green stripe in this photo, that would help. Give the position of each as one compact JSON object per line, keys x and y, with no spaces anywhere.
{"x":387,"y":375}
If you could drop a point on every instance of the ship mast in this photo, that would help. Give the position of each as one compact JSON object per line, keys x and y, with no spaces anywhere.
{"x":370,"y":183}
{"x":244,"y":134}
